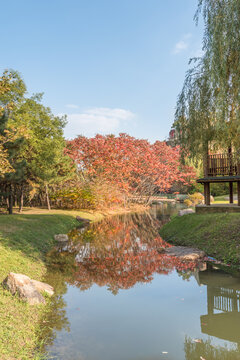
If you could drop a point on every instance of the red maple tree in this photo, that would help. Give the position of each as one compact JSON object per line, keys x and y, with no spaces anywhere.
{"x":133,"y":165}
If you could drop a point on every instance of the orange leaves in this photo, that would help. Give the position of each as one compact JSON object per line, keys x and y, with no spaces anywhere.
{"x":134,"y":165}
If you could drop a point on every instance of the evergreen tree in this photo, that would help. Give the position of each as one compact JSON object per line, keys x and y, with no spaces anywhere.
{"x":12,"y":140}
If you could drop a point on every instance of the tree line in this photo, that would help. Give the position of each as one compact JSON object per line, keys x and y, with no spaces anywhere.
{"x":38,"y":167}
{"x":32,"y":146}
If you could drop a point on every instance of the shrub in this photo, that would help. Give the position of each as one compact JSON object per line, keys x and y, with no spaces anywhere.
{"x":194,"y":199}
{"x":87,"y":195}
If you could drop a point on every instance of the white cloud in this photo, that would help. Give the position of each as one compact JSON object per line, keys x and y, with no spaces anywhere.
{"x":96,"y":120}
{"x":198,"y":53}
{"x":182,"y":44}
{"x":72,"y":106}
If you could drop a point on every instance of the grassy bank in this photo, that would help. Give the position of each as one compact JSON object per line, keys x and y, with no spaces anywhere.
{"x":217,"y":234}
{"x":24,"y":240}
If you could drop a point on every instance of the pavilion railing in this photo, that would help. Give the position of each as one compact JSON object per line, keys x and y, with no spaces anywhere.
{"x":227,"y":300}
{"x":227,"y":164}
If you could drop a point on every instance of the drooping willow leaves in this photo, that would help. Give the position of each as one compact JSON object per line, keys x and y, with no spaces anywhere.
{"x":208,"y":107}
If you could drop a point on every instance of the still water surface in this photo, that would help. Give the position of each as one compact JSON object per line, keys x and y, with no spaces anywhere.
{"x":119,"y":298}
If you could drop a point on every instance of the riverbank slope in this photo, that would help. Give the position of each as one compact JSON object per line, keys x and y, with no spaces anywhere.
{"x":216,"y":234}
{"x":24,"y":240}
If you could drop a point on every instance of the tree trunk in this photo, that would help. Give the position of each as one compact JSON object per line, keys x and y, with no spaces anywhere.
{"x":21,"y":200}
{"x":10,"y":201}
{"x":47,"y":197}
{"x":14,"y":195}
{"x":7,"y":202}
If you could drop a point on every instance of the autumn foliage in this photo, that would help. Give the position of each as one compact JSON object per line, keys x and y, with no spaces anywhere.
{"x":134,"y":166}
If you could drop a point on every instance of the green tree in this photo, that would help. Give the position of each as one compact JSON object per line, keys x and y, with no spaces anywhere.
{"x":31,"y":144}
{"x":11,"y":139}
{"x":8,"y":81}
{"x":44,"y":145}
{"x":208,"y":107}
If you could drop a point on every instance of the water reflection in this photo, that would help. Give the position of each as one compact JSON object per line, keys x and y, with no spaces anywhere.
{"x":223,"y":317}
{"x":117,"y":252}
{"x":206,"y":351}
{"x":223,"y":310}
{"x":164,"y":210}
{"x":121,"y":253}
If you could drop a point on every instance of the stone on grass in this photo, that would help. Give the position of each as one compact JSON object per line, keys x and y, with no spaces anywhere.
{"x":61,"y":237}
{"x":185,"y":212}
{"x":82,"y":220}
{"x":185,"y":253}
{"x":27,"y":289}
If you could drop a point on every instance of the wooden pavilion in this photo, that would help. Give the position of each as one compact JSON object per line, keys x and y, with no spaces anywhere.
{"x":221,"y":168}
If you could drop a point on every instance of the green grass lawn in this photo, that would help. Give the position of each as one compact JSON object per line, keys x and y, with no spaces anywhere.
{"x":24,"y":240}
{"x":224,"y":199}
{"x":217,"y":234}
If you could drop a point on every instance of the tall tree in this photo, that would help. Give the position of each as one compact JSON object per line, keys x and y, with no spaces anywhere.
{"x":44,"y":145}
{"x":32,"y":143}
{"x":7,"y":135}
{"x":11,"y":139}
{"x":209,"y":105}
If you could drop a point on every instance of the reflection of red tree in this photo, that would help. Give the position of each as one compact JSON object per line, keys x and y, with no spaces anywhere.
{"x":125,"y":271}
{"x":123,"y":253}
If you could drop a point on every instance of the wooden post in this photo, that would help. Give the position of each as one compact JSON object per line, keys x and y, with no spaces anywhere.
{"x":207,"y":193}
{"x":231,"y":193}
{"x":210,"y":300}
{"x":238,"y":192}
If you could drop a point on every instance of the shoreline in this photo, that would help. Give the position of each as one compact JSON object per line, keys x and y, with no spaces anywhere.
{"x":216,"y":234}
{"x":25,"y":239}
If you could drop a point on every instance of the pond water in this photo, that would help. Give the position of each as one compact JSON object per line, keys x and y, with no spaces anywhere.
{"x":119,"y":298}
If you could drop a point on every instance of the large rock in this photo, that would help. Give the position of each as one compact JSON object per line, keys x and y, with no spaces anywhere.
{"x":185,"y":212}
{"x":185,"y":253}
{"x":28,"y":290}
{"x":43,"y":287}
{"x":61,"y":237}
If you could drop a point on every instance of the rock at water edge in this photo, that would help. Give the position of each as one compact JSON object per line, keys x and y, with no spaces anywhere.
{"x":21,"y":284}
{"x":43,"y":287}
{"x":185,"y":253}
{"x":28,"y":289}
{"x":185,"y":212}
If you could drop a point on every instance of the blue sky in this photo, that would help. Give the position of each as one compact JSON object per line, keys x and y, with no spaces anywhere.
{"x":111,"y":65}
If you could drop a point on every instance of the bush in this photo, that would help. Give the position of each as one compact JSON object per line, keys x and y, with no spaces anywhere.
{"x":188,"y":202}
{"x":88,"y":195}
{"x":194,"y":199}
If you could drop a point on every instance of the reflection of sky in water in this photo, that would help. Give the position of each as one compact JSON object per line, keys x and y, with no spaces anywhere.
{"x":139,"y":323}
